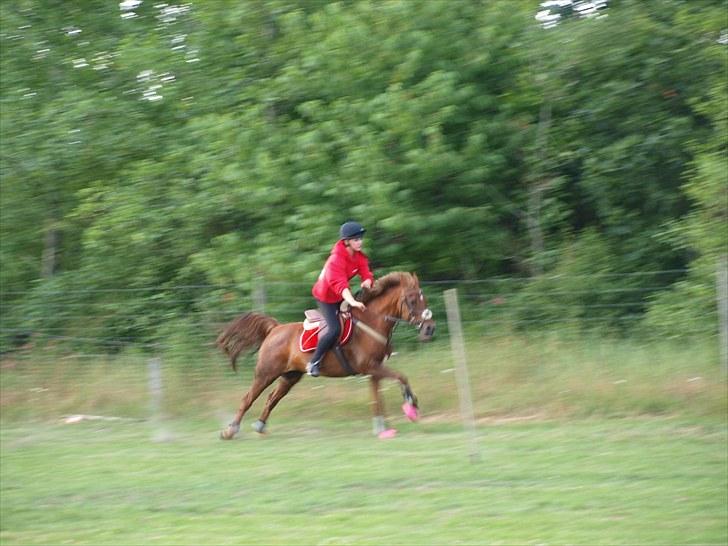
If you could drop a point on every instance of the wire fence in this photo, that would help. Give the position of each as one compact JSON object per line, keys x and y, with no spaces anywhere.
{"x":147,"y":351}
{"x":106,"y":320}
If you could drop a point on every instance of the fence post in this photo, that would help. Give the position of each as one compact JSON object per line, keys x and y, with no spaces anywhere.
{"x":461,"y":368}
{"x":721,"y":280}
{"x":154,"y":369}
{"x":259,"y":295}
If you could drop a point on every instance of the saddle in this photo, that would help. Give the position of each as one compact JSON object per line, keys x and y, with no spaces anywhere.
{"x":314,"y":325}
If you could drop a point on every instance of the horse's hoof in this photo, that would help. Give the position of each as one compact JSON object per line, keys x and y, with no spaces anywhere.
{"x":229,"y":432}
{"x":387,"y":434}
{"x":410,"y":411}
{"x":259,"y":427}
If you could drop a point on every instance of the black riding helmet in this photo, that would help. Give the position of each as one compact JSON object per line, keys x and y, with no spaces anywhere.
{"x":351,"y":230}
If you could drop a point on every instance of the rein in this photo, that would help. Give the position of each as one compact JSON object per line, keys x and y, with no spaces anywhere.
{"x":396,"y":320}
{"x":376,"y":335}
{"x":384,"y":340}
{"x":371,"y":331}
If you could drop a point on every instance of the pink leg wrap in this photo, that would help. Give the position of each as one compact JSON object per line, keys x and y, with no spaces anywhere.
{"x":410,"y":411}
{"x":387,"y":434}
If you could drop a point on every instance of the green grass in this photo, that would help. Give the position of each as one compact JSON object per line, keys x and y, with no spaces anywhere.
{"x":592,"y":481}
{"x":588,"y":442}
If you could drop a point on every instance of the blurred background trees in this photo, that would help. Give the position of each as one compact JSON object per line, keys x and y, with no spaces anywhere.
{"x":148,"y":144}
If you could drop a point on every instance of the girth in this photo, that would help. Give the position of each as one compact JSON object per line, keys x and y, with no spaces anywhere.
{"x":343,"y":361}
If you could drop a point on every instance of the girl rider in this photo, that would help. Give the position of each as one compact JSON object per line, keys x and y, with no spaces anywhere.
{"x":332,"y":287}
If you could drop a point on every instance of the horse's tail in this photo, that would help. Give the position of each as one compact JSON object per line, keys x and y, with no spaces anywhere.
{"x":244,"y":333}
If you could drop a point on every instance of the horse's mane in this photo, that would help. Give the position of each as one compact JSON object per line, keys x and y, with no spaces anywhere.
{"x":385,"y":283}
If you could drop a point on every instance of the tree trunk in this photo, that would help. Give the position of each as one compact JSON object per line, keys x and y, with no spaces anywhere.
{"x":536,"y":190}
{"x":51,"y":250}
{"x":534,"y":228}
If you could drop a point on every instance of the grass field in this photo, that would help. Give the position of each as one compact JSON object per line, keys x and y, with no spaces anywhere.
{"x":594,"y":443}
{"x":594,"y":481}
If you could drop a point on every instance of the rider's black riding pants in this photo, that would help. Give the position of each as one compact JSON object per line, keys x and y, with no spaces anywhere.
{"x":330,"y":312}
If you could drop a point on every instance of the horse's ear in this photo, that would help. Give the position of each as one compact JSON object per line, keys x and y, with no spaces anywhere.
{"x":417,"y":279}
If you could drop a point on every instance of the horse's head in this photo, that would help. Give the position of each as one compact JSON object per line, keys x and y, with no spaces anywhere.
{"x":415,"y":309}
{"x":399,"y":297}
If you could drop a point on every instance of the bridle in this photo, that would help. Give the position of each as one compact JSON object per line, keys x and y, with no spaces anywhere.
{"x":426,"y":314}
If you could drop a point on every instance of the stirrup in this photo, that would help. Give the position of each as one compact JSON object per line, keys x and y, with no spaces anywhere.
{"x":312,"y":369}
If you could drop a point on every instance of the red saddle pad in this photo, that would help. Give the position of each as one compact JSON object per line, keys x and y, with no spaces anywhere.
{"x":309,"y":337}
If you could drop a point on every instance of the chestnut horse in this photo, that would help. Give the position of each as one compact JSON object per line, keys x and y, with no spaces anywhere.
{"x":394,"y":298}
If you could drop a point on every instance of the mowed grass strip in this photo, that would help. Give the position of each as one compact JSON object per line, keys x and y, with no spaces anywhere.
{"x":590,"y":481}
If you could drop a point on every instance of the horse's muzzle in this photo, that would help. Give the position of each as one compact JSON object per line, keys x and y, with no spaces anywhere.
{"x":427,"y":330}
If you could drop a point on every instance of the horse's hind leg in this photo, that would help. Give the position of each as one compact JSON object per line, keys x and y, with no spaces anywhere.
{"x":260,"y":383}
{"x":285,"y":384}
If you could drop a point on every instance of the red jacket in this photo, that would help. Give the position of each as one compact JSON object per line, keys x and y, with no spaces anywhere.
{"x":338,"y":271}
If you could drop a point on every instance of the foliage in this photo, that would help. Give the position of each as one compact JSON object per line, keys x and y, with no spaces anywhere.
{"x":703,"y":230}
{"x":224,"y":142}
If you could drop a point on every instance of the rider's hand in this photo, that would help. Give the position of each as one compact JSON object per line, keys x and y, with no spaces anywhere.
{"x":359,"y":305}
{"x":367,"y":284}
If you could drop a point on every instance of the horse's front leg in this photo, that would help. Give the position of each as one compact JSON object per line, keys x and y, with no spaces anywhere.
{"x":410,"y":406}
{"x":379,"y":427}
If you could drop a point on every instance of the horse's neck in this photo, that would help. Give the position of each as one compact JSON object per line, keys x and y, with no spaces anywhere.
{"x":385,"y":307}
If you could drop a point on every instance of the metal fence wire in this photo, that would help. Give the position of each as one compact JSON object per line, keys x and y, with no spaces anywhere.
{"x":101,"y":321}
{"x":150,"y":351}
